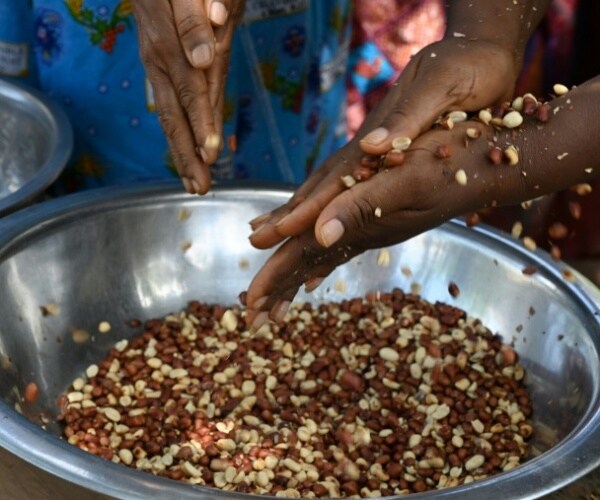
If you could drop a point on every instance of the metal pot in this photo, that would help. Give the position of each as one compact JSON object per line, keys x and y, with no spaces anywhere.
{"x":36,"y":141}
{"x":115,"y":254}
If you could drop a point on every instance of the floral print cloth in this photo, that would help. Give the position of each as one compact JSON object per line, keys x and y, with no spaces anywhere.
{"x":285,"y":97}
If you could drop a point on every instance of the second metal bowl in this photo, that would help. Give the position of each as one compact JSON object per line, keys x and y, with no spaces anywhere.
{"x":35,"y":144}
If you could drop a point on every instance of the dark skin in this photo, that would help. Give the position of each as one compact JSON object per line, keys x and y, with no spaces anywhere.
{"x":423,"y":193}
{"x":474,"y":66}
{"x":467,"y":72}
{"x":185,"y":47}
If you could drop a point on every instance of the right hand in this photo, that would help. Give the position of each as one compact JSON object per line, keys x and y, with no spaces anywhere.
{"x":467,"y":75}
{"x":393,"y":206}
{"x":185,"y":48}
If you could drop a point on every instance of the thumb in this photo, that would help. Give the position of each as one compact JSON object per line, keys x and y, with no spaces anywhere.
{"x":195,"y":32}
{"x":359,"y":216}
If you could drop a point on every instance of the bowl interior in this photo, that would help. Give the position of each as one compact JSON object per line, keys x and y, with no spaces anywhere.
{"x":124,"y":259}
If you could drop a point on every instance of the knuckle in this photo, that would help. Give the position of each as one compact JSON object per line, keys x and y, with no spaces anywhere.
{"x":186,"y":96}
{"x":190,"y":95}
{"x":170,"y":124}
{"x":362,"y":213}
{"x":193,"y":24}
{"x":400,"y":111}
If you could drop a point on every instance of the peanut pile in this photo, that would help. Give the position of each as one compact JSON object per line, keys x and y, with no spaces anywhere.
{"x":368,"y":397}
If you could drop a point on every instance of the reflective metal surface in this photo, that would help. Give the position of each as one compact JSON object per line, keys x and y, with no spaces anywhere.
{"x":115,"y":254}
{"x":35,"y":144}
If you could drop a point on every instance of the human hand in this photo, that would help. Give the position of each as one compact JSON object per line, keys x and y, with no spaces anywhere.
{"x":551,"y":147}
{"x":452,"y":74}
{"x":185,"y":49}
{"x":393,"y":206}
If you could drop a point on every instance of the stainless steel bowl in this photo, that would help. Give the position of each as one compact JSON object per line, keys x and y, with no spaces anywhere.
{"x":115,"y":254}
{"x":36,"y":141}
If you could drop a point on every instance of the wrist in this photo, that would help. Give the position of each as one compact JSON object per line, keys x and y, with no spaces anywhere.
{"x":505,"y":23}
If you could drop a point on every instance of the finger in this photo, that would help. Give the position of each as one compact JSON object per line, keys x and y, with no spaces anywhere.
{"x":192,"y":92}
{"x":179,"y":135}
{"x":218,"y":117}
{"x":195,"y":32}
{"x":217,"y":73}
{"x":308,"y":201}
{"x":218,"y":11}
{"x":274,"y":285}
{"x":290,"y":220}
{"x":216,"y":76}
{"x":370,"y":214}
{"x":162,"y":56}
{"x":413,"y":111}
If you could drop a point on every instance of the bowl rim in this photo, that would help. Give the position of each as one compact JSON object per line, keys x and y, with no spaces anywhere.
{"x":570,"y":459}
{"x":61,"y":143}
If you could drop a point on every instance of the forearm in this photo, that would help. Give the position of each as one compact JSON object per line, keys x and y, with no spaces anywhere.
{"x":558,"y":154}
{"x":549,"y":156}
{"x":507,"y":23}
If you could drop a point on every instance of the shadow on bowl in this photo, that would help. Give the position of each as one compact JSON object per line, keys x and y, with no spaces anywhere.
{"x":116,"y":254}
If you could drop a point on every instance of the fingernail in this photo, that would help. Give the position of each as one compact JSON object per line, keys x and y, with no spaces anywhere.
{"x":281,"y":311}
{"x":187,"y":185}
{"x":256,"y":231}
{"x":212,"y":141}
{"x":282,"y":220}
{"x":258,"y":303}
{"x":196,"y":186}
{"x":257,"y":221}
{"x":312,"y":284}
{"x":331,"y":232}
{"x":201,"y":55}
{"x":203,"y":154}
{"x":218,"y":13}
{"x":376,"y":136}
{"x":261,"y":318}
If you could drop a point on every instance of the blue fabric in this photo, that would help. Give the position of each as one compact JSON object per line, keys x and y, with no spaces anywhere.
{"x":284,"y":99}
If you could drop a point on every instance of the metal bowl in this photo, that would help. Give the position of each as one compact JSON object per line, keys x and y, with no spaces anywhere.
{"x":115,"y":254}
{"x":36,"y":141}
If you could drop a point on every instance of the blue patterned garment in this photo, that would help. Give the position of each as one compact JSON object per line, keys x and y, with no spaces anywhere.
{"x":285,"y":97}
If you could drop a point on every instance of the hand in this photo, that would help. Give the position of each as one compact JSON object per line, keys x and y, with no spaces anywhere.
{"x":186,"y":54}
{"x":467,"y":75}
{"x":555,"y":147}
{"x":391,"y":207}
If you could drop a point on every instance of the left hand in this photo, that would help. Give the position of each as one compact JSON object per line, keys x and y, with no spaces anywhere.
{"x":420,"y":195}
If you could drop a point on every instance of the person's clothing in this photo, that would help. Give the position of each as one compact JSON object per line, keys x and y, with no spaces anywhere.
{"x":385,"y":34}
{"x":285,"y":97}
